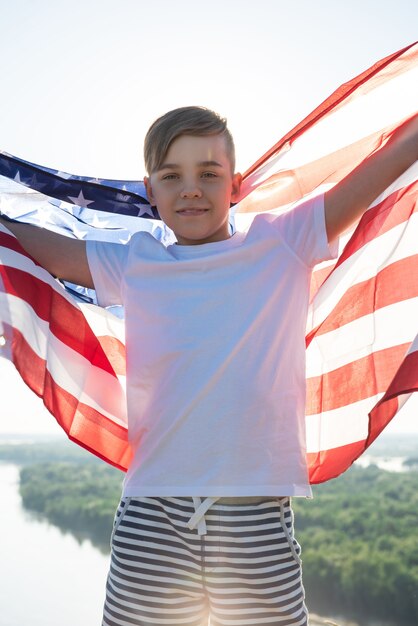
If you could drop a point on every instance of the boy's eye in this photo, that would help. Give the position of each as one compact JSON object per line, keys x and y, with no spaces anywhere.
{"x":209,"y":175}
{"x":170,"y":177}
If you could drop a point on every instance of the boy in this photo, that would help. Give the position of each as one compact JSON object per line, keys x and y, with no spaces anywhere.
{"x":215,"y":330}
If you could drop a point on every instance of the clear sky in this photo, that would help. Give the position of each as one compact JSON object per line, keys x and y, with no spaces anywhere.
{"x":81,"y":82}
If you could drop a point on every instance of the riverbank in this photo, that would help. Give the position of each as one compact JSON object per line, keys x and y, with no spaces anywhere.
{"x":37,"y":557}
{"x":335,"y":574}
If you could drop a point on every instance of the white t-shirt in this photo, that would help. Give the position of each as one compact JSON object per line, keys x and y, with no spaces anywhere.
{"x":215,"y":337}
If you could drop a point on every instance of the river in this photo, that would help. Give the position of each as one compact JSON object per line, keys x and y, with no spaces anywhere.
{"x":47,"y":577}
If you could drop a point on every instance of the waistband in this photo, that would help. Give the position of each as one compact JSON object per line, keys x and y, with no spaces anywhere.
{"x":201,"y":507}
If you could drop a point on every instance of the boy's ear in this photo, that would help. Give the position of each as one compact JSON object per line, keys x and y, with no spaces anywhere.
{"x":236,"y":187}
{"x":148,"y":189}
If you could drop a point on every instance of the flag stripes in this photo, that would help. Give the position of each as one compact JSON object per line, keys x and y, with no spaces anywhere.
{"x":362,"y":345}
{"x":364,"y":309}
{"x":86,"y":426}
{"x":354,"y":121}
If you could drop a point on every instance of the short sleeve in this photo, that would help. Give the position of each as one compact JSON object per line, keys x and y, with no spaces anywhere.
{"x":304,"y":230}
{"x":107,"y":262}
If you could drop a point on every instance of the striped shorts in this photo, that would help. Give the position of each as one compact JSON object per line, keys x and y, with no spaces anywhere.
{"x":235,"y":564}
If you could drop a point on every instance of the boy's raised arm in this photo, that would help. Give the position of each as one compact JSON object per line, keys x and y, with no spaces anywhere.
{"x":347,"y":201}
{"x":63,"y":257}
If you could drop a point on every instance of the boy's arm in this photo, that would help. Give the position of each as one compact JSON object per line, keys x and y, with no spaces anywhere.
{"x":346,"y":202}
{"x":61,"y":256}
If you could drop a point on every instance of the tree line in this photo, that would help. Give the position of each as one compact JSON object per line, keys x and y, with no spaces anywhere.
{"x":360,"y":545}
{"x":81,"y":498}
{"x":359,"y":534}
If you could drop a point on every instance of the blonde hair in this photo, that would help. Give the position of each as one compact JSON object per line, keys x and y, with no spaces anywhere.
{"x":191,"y":120}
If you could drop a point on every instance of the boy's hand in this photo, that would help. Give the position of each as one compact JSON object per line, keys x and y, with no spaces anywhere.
{"x":346,"y":202}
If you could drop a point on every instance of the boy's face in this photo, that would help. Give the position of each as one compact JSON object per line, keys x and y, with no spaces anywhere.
{"x":193,"y":189}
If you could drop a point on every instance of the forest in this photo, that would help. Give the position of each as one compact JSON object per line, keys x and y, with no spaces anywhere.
{"x":359,"y":534}
{"x":359,"y":537}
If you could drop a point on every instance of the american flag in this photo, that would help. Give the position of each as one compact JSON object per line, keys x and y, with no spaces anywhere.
{"x":362,"y":342}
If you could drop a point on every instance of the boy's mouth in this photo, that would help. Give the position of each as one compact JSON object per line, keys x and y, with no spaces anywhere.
{"x":191,"y":211}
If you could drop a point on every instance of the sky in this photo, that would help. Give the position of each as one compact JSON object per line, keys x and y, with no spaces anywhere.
{"x":82,"y":81}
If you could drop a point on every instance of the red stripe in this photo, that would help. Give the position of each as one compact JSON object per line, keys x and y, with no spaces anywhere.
{"x":358,"y":380}
{"x":375,"y":222}
{"x":97,"y":433}
{"x":318,"y":277}
{"x":83,"y":424}
{"x":66,"y":322}
{"x":369,"y":79}
{"x":328,"y":464}
{"x":287,"y":186}
{"x":394,"y":210}
{"x":395,"y":283}
{"x":405,"y":381}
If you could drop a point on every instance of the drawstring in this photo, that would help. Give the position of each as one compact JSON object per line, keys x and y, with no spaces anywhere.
{"x":286,"y":531}
{"x":197,"y":520}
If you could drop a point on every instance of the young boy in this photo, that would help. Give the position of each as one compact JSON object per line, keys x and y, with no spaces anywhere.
{"x":215,"y":329}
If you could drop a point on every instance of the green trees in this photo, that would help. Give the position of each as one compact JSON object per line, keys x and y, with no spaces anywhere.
{"x":80,"y":498}
{"x":360,"y":545}
{"x":359,"y":534}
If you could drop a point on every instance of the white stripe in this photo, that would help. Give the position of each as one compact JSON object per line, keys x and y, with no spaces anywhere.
{"x":100,"y":389}
{"x":239,"y":565}
{"x":245,"y":524}
{"x":140,"y":583}
{"x":409,"y":177}
{"x":22,"y":201}
{"x":339,"y":427}
{"x":177,"y":565}
{"x":396,"y":244}
{"x":182,"y":611}
{"x":390,"y":326}
{"x":414,"y":346}
{"x":262,"y":561}
{"x":102,"y":321}
{"x":125,"y":545}
{"x":274,"y":573}
{"x":255,"y":611}
{"x":243,"y":220}
{"x":159,"y":621}
{"x":357,"y":118}
{"x":223,"y":602}
{"x":20,"y":261}
{"x":170,"y":600}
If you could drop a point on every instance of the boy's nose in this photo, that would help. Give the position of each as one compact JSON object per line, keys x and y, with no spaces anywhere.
{"x":191,"y":191}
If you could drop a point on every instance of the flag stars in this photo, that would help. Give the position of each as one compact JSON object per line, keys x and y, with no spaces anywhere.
{"x":97,"y":222}
{"x":80,"y":200}
{"x":145,"y":209}
{"x":17,"y":178}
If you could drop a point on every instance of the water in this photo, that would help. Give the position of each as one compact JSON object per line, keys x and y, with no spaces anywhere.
{"x":47,"y":578}
{"x":389,"y":464}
